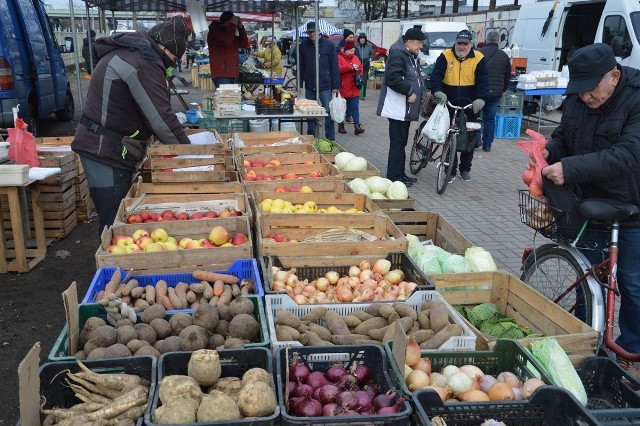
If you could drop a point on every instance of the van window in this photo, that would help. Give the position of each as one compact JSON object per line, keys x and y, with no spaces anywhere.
{"x":441,"y":39}
{"x":7,"y":22}
{"x":615,"y":34}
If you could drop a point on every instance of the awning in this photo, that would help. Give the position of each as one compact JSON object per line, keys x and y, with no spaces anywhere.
{"x":322,"y":26}
{"x":247,"y":6}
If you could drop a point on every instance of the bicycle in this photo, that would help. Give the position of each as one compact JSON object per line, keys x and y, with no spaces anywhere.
{"x":425,"y":150}
{"x":562,"y":273}
{"x":290,"y":80}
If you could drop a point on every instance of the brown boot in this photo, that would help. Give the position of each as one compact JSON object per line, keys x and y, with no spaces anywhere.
{"x":341,"y":128}
{"x":358,"y":129}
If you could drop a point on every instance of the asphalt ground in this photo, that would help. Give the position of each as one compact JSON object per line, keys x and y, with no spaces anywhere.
{"x":485,"y":210}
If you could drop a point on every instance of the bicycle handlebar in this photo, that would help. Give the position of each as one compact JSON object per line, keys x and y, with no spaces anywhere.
{"x":457,"y":108}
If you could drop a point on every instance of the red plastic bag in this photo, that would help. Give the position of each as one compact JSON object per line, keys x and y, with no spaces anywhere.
{"x":22,"y":148}
{"x":534,"y":148}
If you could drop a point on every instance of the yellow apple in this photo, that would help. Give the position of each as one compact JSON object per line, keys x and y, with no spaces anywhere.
{"x":172,"y":240}
{"x":154,"y":247}
{"x":170,"y":246}
{"x":219,"y":235}
{"x":116,"y":249}
{"x":139,"y":233}
{"x":159,"y":235}
{"x":184,"y":241}
{"x":306,"y":189}
{"x":144,"y":241}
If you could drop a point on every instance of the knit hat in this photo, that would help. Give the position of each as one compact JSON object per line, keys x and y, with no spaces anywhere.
{"x":226,"y":16}
{"x":172,"y":34}
{"x":348,"y":45}
{"x":414,"y":34}
{"x":362,"y":35}
{"x":347,"y":33}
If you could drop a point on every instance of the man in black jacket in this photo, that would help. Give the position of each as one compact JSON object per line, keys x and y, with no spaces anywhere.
{"x":499,"y":68}
{"x":596,"y":147}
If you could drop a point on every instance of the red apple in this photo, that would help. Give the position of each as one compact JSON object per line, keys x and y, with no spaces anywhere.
{"x":182,"y":216}
{"x":211,"y":214}
{"x":246,"y":163}
{"x":168,"y":214}
{"x":118,"y":238}
{"x":134,"y":218}
{"x":145,"y":215}
{"x":159,"y":219}
{"x":226,"y":212}
{"x":257,"y":163}
{"x":239,"y":238}
{"x":281,"y":189}
{"x":144,"y":241}
{"x":114,"y":249}
{"x":294,"y":189}
{"x":289,"y":176}
{"x":249,"y":177}
{"x":206,"y":243}
{"x":315,"y":174}
{"x":197,"y":215}
{"x":308,"y":162}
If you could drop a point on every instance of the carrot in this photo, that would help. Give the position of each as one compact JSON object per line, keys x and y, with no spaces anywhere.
{"x":150,"y":294}
{"x":218,"y":288}
{"x":226,"y":296}
{"x":215,"y":276}
{"x":113,"y":283}
{"x":175,"y":300}
{"x":161,"y":290}
{"x":166,"y":303}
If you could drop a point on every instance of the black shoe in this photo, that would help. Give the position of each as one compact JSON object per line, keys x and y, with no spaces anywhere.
{"x":478,"y":144}
{"x":409,"y":178}
{"x":406,"y":182}
{"x":486,"y":149}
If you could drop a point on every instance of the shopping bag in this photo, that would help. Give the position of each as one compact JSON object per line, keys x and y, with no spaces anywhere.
{"x":534,"y":148}
{"x":338,"y":108}
{"x":437,"y":125}
{"x":22,"y":148}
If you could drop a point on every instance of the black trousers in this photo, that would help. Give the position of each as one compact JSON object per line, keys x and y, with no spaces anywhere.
{"x":398,"y":136}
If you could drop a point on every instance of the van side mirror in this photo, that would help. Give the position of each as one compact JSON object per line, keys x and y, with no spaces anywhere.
{"x":68,"y":45}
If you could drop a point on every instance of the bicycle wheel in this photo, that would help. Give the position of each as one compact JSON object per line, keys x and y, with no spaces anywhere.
{"x":420,"y":151}
{"x":445,"y":166}
{"x":554,"y":270}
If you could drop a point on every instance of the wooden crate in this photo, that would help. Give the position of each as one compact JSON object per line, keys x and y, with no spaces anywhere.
{"x":156,"y":203}
{"x":343,"y":201}
{"x":327,"y":170}
{"x":162,"y":159}
{"x":389,"y":204}
{"x":139,"y":188}
{"x":331,"y":156}
{"x":431,"y":226}
{"x":84,"y":202}
{"x":175,"y":259}
{"x":298,"y":227}
{"x":370,"y":171}
{"x":517,"y":300}
{"x":317,"y":185}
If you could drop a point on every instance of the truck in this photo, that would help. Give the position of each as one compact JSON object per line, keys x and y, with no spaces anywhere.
{"x":548,"y":32}
{"x":32,"y":73}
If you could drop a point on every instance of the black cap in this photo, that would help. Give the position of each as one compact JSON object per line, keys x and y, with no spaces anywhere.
{"x":172,"y":34}
{"x":414,"y":34}
{"x":588,"y":65}
{"x":226,"y":16}
{"x":464,"y":36}
{"x":311,"y":26}
{"x":346,"y":33}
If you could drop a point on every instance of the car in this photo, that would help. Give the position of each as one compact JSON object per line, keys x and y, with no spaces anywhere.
{"x":378,"y":52}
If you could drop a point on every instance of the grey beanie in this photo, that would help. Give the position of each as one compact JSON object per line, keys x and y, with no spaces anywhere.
{"x":172,"y":34}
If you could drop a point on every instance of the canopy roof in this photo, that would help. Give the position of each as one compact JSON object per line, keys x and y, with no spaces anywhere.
{"x":323,"y":26}
{"x":212,"y":5}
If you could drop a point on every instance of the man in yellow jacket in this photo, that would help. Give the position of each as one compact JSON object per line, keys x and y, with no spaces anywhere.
{"x":272,"y":57}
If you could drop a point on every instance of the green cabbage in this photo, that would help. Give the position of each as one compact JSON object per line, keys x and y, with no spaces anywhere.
{"x":502,"y":328}
{"x":429,"y":264}
{"x":438,"y":251}
{"x":377,"y":196}
{"x":481,"y":313}
{"x":335,"y":149}
{"x":342,"y":159}
{"x":414,"y":247}
{"x":324,"y":145}
{"x":480,"y":260}
{"x":358,"y":186}
{"x":455,"y":264}
{"x":356,"y":164}
{"x":397,"y":191}
{"x":378,"y":184}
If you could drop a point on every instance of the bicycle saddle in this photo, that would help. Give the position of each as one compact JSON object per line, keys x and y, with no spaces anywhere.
{"x":605,"y":210}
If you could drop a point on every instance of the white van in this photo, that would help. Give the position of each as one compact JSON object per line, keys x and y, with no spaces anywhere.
{"x":576,"y":24}
{"x":440,"y":36}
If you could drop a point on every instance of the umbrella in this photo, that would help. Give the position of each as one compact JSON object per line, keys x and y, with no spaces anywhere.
{"x":545,"y":27}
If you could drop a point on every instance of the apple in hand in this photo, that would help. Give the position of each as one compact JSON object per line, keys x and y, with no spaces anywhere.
{"x":134,"y":218}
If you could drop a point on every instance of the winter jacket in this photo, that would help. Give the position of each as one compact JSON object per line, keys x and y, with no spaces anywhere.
{"x":341,"y":45}
{"x":224,"y":58}
{"x":499,"y":69}
{"x":272,"y":59}
{"x":348,"y":87}
{"x":329,"y":74}
{"x":127,"y":95}
{"x":600,"y":148}
{"x":463,"y":81}
{"x":402,"y":78}
{"x":365,"y":52}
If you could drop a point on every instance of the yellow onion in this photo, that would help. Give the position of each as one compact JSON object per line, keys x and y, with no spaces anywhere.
{"x":278,"y":286}
{"x":472,"y":371}
{"x":417,"y":379}
{"x":365,"y":264}
{"x":530,"y":386}
{"x":510,"y":379}
{"x":423,"y":364}
{"x":474,"y":396}
{"x":366,"y":274}
{"x":443,"y":393}
{"x":354,"y":271}
{"x":332,"y":277}
{"x":322,"y":284}
{"x":500,"y":391}
{"x":381,"y":266}
{"x":395,"y":277}
{"x":438,"y":380}
{"x":412,"y":355}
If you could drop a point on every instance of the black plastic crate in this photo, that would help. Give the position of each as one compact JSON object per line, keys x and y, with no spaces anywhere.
{"x":550,"y":405}
{"x":320,"y":359}
{"x":233,"y":363}
{"x":398,"y":261}
{"x":275,"y":108}
{"x":611,"y":392}
{"x":251,"y":77}
{"x":530,"y":108}
{"x":54,"y":388}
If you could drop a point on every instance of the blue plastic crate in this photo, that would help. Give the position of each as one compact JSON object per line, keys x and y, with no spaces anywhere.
{"x":508,"y":126}
{"x":242,"y":268}
{"x":276,"y":80}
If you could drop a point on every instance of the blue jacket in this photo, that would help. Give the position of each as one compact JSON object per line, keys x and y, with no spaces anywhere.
{"x":329,"y":74}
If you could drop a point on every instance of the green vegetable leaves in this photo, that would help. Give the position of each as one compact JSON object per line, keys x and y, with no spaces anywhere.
{"x":486,"y":318}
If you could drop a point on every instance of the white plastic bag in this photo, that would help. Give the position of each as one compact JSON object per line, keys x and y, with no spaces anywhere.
{"x":338,"y":108}
{"x":437,"y":125}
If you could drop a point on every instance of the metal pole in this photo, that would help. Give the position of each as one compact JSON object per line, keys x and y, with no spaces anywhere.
{"x":317,"y":48}
{"x":75,"y":33}
{"x":90,"y":20}
{"x":297,"y":41}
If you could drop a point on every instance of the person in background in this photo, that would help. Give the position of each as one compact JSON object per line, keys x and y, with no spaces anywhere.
{"x":400,"y":98}
{"x":596,"y":148}
{"x":191,"y":49}
{"x":272,"y":57}
{"x":349,"y":65}
{"x":329,"y":75}
{"x":499,"y":68}
{"x":364,"y":50}
{"x":347,"y":36}
{"x":225,"y":39}
{"x":127,"y":103}
{"x":460,"y":76}
{"x":90,"y":56}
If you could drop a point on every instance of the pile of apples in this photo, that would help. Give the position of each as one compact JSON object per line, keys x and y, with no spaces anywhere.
{"x":251,"y":176}
{"x":294,"y":188}
{"x":145,"y":216}
{"x":278,"y":238}
{"x":159,"y":240}
{"x":282,"y":206}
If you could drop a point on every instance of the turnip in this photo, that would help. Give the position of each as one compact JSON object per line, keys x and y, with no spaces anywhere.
{"x":217,"y":406}
{"x":204,"y":367}
{"x":256,"y":399}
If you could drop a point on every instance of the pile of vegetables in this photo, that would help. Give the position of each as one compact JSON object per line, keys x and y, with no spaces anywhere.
{"x":348,"y":162}
{"x":214,"y":288}
{"x":433,"y":260}
{"x":379,"y":188}
{"x":363,"y":283}
{"x":325,"y":145}
{"x":430,"y":327}
{"x":486,"y":318}
{"x":226,"y":326}
{"x":337,"y":392}
{"x":228,"y":398}
{"x":467,"y":383}
{"x":120,"y":398}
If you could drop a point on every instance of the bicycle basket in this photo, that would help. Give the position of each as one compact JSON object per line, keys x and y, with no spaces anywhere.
{"x":466,"y":139}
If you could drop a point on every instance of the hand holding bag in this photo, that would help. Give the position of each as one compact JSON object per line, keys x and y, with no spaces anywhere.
{"x":338,"y":108}
{"x":437,"y":125}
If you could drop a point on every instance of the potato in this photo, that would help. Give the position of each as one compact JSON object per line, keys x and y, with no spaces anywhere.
{"x":182,"y":409}
{"x":322,"y":332}
{"x":172,"y":387}
{"x":405,"y":310}
{"x":153,"y":312}
{"x":335,"y":324}
{"x":204,"y":366}
{"x":148,"y":350}
{"x":104,"y":336}
{"x":146,"y":332}
{"x":161,"y":327}
{"x":125,"y":334}
{"x":288,"y":318}
{"x":136,"y":344}
{"x":241,"y":305}
{"x":179,"y":322}
{"x":371,"y":324}
{"x":117,"y":350}
{"x":171,"y":344}
{"x":233,"y":343}
{"x":244,"y":326}
{"x":256,"y":399}
{"x":97,"y":353}
{"x":224,"y":312}
{"x":194,"y":338}
{"x":314,"y":315}
{"x":217,"y":406}
{"x":256,"y":374}
{"x":89,"y":326}
{"x":214,"y":341}
{"x":222,"y":328}
{"x":206,"y":316}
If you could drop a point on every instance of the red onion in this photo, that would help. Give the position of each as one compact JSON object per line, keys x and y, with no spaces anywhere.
{"x":334,"y":373}
{"x":303,"y":391}
{"x":328,"y":394}
{"x":291,"y":403}
{"x":361,"y":373}
{"x":330,"y":409}
{"x":364,"y":402}
{"x":307,"y":407}
{"x":347,"y":382}
{"x":316,"y":380}
{"x":291,"y":386}
{"x":348,"y":413}
{"x":316,"y":393}
{"x":347,"y":400}
{"x":393,"y":409}
{"x":298,"y":372}
{"x":372,"y":389}
{"x":384,"y":400}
